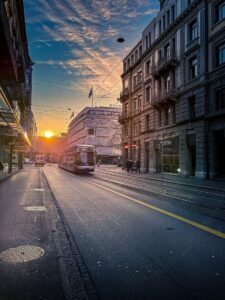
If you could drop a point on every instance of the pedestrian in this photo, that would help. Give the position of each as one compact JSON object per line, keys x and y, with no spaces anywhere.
{"x":128,"y":165}
{"x":131,"y":166}
{"x":1,"y":166}
{"x":137,"y":166}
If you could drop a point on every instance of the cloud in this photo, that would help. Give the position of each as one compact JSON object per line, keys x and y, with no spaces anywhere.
{"x":89,"y":29}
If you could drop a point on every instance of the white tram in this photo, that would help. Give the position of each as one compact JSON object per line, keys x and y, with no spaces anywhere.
{"x":78,"y":159}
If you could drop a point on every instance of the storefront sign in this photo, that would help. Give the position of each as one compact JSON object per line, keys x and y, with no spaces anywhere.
{"x":13,"y":142}
{"x":5,"y":131}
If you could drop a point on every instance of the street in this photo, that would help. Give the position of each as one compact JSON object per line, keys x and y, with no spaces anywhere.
{"x":126,"y":244}
{"x":132,"y":251}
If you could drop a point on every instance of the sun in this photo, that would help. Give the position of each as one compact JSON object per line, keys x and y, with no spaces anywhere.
{"x":48,"y":134}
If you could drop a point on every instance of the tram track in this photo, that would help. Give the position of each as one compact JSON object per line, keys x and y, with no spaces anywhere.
{"x":189,"y":201}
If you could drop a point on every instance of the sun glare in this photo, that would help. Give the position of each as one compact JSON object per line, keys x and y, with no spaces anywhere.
{"x":48,"y":134}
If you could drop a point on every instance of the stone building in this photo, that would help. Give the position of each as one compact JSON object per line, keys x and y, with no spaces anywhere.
{"x":17,"y":123}
{"x":173,"y":97}
{"x":98,"y":126}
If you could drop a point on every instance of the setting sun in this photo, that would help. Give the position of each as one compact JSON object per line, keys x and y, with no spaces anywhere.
{"x":48,"y":134}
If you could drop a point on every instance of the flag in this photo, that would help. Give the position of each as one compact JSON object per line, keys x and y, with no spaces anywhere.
{"x":72,"y":115}
{"x":90,"y":93}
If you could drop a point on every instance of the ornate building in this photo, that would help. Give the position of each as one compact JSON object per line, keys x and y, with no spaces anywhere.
{"x":173,"y":103}
{"x":98,"y":126}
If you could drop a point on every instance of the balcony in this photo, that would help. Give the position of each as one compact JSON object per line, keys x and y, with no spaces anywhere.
{"x":166,"y":63}
{"x":164,"y":97}
{"x":123,"y":118}
{"x":124,"y":95}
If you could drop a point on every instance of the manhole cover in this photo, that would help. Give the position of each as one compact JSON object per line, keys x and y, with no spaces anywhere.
{"x":21,"y":254}
{"x":35,"y":208}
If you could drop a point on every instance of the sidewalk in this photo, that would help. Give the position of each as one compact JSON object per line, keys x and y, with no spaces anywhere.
{"x":170,"y":178}
{"x":28,"y":256}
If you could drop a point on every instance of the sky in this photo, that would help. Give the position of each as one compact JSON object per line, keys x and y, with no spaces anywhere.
{"x":73,"y":44}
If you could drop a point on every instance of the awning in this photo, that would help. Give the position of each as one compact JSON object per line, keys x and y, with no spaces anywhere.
{"x":9,"y":118}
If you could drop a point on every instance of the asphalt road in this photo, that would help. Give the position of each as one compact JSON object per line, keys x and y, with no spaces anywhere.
{"x":137,"y":246}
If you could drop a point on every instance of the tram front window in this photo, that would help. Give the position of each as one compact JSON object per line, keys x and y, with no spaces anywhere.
{"x":85,"y":158}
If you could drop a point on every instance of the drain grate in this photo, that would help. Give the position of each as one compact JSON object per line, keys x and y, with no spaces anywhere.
{"x":36,"y":208}
{"x":21,"y":254}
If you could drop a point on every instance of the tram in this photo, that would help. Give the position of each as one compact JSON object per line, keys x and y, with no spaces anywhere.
{"x":78,"y":159}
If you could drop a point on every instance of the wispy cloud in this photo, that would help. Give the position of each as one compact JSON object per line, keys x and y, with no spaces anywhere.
{"x":86,"y":32}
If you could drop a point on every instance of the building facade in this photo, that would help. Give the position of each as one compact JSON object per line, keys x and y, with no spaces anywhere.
{"x":17,"y":123}
{"x":98,"y":126}
{"x":173,"y":103}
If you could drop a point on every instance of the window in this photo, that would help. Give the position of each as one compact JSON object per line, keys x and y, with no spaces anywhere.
{"x":147,"y":70}
{"x":164,"y":23}
{"x":192,"y":107}
{"x":135,"y":80}
{"x":147,"y":122}
{"x":160,"y":27}
{"x":167,"y":52}
{"x":146,"y":42}
{"x":220,"y":11}
{"x":132,"y":59}
{"x":220,"y":54}
{"x":135,"y":128}
{"x":140,"y":51}
{"x":220,"y":99}
{"x":173,"y":13}
{"x":135,"y":104}
{"x":168,"y":17}
{"x":150,"y":38}
{"x":91,"y":131}
{"x":147,"y":94}
{"x":139,"y":101}
{"x":139,"y":76}
{"x":193,"y":31}
{"x":136,"y":55}
{"x":167,"y":84}
{"x":174,"y":113}
{"x":126,"y":130}
{"x":128,"y":63}
{"x":139,"y":126}
{"x":124,"y":67}
{"x":193,"y":67}
{"x":166,"y":116}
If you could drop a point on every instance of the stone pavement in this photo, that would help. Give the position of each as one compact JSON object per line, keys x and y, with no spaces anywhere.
{"x":218,"y":185}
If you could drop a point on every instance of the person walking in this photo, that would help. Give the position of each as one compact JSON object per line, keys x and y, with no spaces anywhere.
{"x":138,"y":166}
{"x":128,"y":165}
